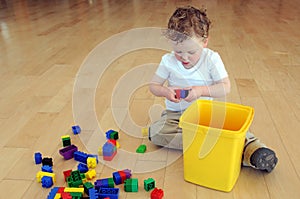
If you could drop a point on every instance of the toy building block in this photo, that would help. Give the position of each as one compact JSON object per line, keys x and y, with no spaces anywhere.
{"x":181,"y":93}
{"x":68,"y":151}
{"x":149,"y":184}
{"x":100,"y":152}
{"x":131,"y":185}
{"x":104,"y":183}
{"x":87,"y":186}
{"x":157,"y":194}
{"x":52,"y":193}
{"x":114,"y":142}
{"x":81,"y":157}
{"x":91,"y":162}
{"x":47,"y":182}
{"x":37,"y":158}
{"x":67,"y":174}
{"x":76,"y":129}
{"x":117,"y":144}
{"x":47,"y":161}
{"x":145,"y":131}
{"x":141,"y":149}
{"x":90,"y":174}
{"x":93,"y":194}
{"x":93,"y":156}
{"x":109,"y":151}
{"x":112,"y":193}
{"x":74,"y":190}
{"x":76,"y":195}
{"x":47,"y":168}
{"x":120,"y":176}
{"x":66,"y":140}
{"x":66,"y":195}
{"x":111,"y":134}
{"x":82,"y":168}
{"x":76,"y":179}
{"x":61,"y":190}
{"x":41,"y":174}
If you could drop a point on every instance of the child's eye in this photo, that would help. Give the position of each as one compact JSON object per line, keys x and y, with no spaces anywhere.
{"x":178,"y":52}
{"x":192,"y":52}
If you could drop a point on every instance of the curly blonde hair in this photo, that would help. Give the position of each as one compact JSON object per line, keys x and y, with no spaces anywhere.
{"x":187,"y":22}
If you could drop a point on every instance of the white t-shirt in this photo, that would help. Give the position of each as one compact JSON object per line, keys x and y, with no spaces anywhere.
{"x":207,"y":71}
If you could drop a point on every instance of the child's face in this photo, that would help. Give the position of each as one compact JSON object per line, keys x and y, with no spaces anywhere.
{"x":188,"y":52}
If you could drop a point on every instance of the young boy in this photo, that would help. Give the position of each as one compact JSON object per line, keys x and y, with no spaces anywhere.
{"x":200,"y":71}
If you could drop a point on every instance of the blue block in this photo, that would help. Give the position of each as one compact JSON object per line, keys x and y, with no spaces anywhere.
{"x":117,"y":178}
{"x":52,"y":193}
{"x":93,"y":194}
{"x":82,"y":168}
{"x":80,"y":157}
{"x":47,"y":182}
{"x":112,"y":193}
{"x":184,"y":93}
{"x":108,"y":149}
{"x":47,"y":168}
{"x":110,"y":136}
{"x":37,"y":158}
{"x":76,"y":129}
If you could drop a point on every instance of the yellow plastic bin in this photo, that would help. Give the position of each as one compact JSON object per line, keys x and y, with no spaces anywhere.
{"x":213,"y":136}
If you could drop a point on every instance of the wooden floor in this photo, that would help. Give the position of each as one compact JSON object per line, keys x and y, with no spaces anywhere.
{"x":50,"y":80}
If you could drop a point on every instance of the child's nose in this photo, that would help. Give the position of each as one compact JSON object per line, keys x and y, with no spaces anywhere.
{"x":184,"y":56}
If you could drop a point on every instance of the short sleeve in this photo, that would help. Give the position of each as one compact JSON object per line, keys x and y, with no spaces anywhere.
{"x":217,"y":68}
{"x":162,"y":70}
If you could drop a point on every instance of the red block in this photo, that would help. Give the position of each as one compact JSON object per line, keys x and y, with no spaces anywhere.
{"x":61,"y":190}
{"x":123,"y":176}
{"x":157,"y":194}
{"x":114,"y":142}
{"x":66,"y":195}
{"x":67,"y":174}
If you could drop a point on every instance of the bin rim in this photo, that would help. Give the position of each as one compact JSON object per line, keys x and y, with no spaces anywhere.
{"x":225,"y":132}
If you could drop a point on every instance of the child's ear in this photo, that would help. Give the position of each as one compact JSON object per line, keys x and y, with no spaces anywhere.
{"x":205,"y":42}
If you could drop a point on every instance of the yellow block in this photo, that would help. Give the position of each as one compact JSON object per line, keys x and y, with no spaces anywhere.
{"x":65,"y":136}
{"x":145,"y":131}
{"x":41,"y":174}
{"x":91,"y":162}
{"x":90,"y":174}
{"x":74,"y":190}
{"x":57,"y":196}
{"x":117,"y":144}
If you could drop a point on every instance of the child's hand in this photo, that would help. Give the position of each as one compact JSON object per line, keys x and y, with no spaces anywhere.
{"x":194,"y":93}
{"x":171,"y":94}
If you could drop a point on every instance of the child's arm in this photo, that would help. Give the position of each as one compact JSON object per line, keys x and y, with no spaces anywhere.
{"x":219,"y":89}
{"x":158,"y":89}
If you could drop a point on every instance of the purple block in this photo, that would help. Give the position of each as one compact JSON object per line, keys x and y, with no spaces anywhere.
{"x":68,"y":152}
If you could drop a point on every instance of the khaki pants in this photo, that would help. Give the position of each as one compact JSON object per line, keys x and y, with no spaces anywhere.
{"x":166,"y":132}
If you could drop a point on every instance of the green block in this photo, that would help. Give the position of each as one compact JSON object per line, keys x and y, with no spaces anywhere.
{"x":75,"y":179}
{"x":149,"y":184}
{"x":87,"y":186}
{"x":114,"y":135}
{"x":141,"y":149}
{"x":66,"y":142}
{"x":76,"y":195}
{"x":131,"y":185}
{"x":111,"y":183}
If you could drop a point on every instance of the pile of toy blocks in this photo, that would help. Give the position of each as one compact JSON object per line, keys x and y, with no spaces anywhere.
{"x":78,"y":184}
{"x":103,"y":188}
